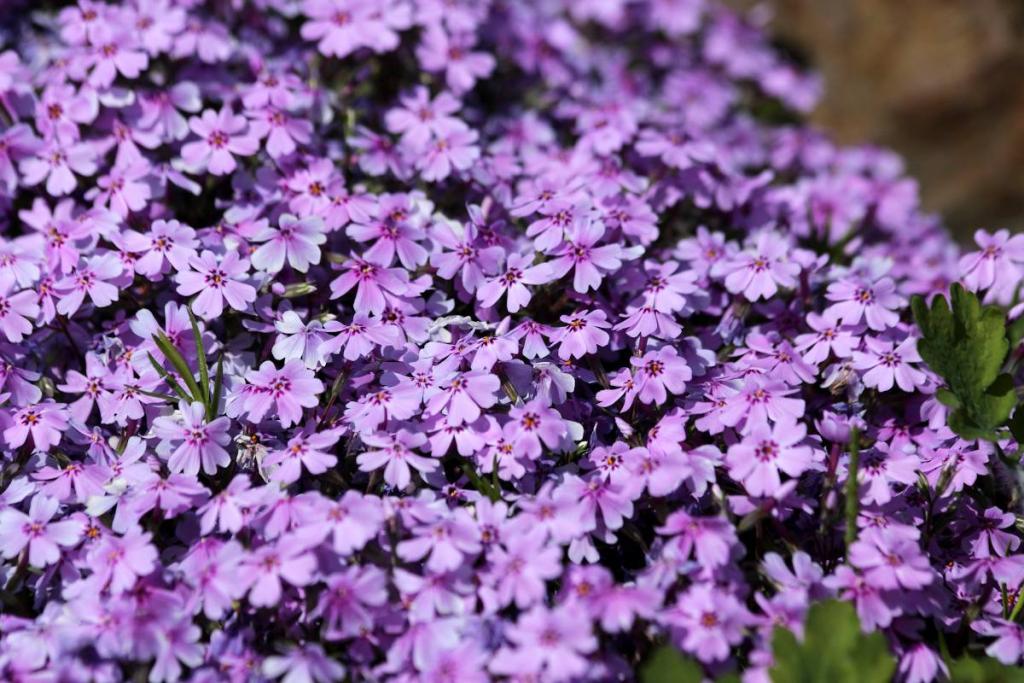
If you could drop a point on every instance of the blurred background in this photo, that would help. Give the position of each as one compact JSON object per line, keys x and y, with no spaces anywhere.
{"x":940,"y":81}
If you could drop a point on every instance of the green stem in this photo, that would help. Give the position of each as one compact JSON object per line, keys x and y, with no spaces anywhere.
{"x":852,"y":493}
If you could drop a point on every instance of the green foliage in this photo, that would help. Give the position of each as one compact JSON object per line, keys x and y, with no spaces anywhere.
{"x":834,"y":650}
{"x":967,"y":346}
{"x":984,"y":671}
{"x":668,"y":665}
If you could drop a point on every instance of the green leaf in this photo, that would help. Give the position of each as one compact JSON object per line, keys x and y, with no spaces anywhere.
{"x":985,"y":670}
{"x":180,"y":366}
{"x":218,"y":385}
{"x":171,"y":382}
{"x":947,"y":398}
{"x":668,"y":665}
{"x":967,"y":345}
{"x":834,"y":650}
{"x":204,"y":371}
{"x":1015,"y":332}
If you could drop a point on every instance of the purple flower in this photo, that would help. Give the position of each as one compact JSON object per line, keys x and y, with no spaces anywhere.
{"x":288,"y":390}
{"x":552,"y":641}
{"x":344,"y":26}
{"x":659,"y":372}
{"x":997,"y":267}
{"x":453,"y":150}
{"x":885,"y":363}
{"x":198,"y":442}
{"x":216,"y":281}
{"x":304,"y":664}
{"x":860,"y":299}
{"x":58,"y":163}
{"x":37,"y":532}
{"x":759,"y":271}
{"x":394,"y":452}
{"x":303,"y":451}
{"x":710,"y":622}
{"x":119,"y":561}
{"x":764,"y":452}
{"x":17,"y":313}
{"x":588,"y":262}
{"x":265,"y":569}
{"x":583,"y":333}
{"x":44,"y":422}
{"x":890,"y":560}
{"x":295,"y":239}
{"x":461,"y":397}
{"x":222,"y":136}
{"x":519,"y":272}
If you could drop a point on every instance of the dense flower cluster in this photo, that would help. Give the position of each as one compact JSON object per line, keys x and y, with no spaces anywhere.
{"x":520,"y":337}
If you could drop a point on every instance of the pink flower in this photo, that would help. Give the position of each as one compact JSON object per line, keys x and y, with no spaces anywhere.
{"x":520,"y":568}
{"x":58,"y":163}
{"x":303,"y":451}
{"x":289,"y":390}
{"x":997,"y":267}
{"x":17,"y":313}
{"x":394,"y":452}
{"x":765,"y":451}
{"x":376,"y":287}
{"x":170,"y":244}
{"x":45,"y":422}
{"x":891,"y":561}
{"x":885,"y":363}
{"x":535,"y":423}
{"x":760,"y":400}
{"x":264,"y":569}
{"x":453,"y":150}
{"x":552,"y":641}
{"x":114,"y":52}
{"x":199,"y":442}
{"x":35,"y":531}
{"x":90,"y":279}
{"x":828,"y":337}
{"x":344,"y":26}
{"x":589,"y":262}
{"x":759,"y":271}
{"x":216,"y":282}
{"x":858,"y":298}
{"x":583,"y":333}
{"x":710,"y":620}
{"x":519,"y":272}
{"x":294,"y":239}
{"x":419,"y":118}
{"x":440,"y":51}
{"x":123,"y":190}
{"x":462,"y":396}
{"x":223,"y":135}
{"x":659,"y":372}
{"x":465,"y":255}
{"x":447,"y":541}
{"x":119,"y":561}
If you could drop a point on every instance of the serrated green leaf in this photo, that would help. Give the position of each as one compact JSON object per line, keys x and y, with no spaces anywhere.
{"x":834,"y":650}
{"x":967,"y":345}
{"x":668,"y":665}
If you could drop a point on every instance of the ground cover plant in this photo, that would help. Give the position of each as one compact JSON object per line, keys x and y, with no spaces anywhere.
{"x":456,"y":341}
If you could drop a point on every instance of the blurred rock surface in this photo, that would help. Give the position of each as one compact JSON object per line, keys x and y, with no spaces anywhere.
{"x":940,"y":81}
